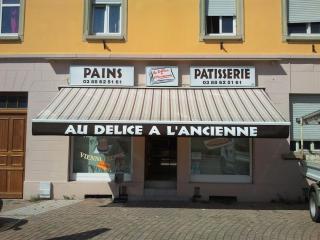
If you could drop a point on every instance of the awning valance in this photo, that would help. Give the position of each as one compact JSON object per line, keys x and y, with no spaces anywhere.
{"x":223,"y":112}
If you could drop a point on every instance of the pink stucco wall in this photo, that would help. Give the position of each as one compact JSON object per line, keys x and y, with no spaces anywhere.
{"x":47,"y":157}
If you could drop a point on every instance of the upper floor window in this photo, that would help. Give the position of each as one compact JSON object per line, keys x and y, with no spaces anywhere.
{"x":10,"y":18}
{"x":221,"y":19}
{"x":105,"y":19}
{"x":304,"y":28}
{"x":301,"y":19}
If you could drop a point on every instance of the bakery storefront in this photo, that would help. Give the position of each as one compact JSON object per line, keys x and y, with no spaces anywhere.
{"x":168,"y":140}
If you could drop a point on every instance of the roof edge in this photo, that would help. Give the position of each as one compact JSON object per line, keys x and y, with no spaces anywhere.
{"x":164,"y":87}
{"x":229,"y":57}
{"x":77,"y":121}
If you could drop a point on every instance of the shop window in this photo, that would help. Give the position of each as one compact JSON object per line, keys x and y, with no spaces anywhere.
{"x":221,"y":160}
{"x":12,"y":100}
{"x":100,"y":157}
{"x":11,"y":12}
{"x":221,"y":19}
{"x":105,"y":19}
{"x":301,"y":19}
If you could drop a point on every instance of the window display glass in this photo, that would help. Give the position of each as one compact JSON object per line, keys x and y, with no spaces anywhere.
{"x":101,"y":154}
{"x":220,"y":156}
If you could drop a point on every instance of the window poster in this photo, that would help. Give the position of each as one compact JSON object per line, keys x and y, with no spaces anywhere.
{"x":159,"y":76}
{"x":101,"y":154}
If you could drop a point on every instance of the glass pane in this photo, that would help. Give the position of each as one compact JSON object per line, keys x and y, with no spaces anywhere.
{"x":114,"y":18}
{"x":101,"y":154}
{"x":10,"y":1}
{"x":220,"y":156}
{"x":12,"y":101}
{"x":227,"y":24}
{"x":98,"y":19}
{"x":297,"y":28}
{"x":3,"y":101}
{"x":23,"y":102}
{"x":212,"y":23}
{"x":315,"y":27}
{"x":161,"y":158}
{"x":10,"y":20}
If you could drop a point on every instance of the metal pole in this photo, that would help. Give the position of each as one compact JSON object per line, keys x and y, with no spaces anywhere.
{"x":301,"y":137}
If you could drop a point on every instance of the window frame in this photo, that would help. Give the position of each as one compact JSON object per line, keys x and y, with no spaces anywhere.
{"x":19,"y":34}
{"x":308,"y":31}
{"x":107,"y":20}
{"x":238,"y":26}
{"x":96,"y":177}
{"x":103,"y":36}
{"x":212,"y":178}
{"x":296,"y":36}
{"x":234,"y":28}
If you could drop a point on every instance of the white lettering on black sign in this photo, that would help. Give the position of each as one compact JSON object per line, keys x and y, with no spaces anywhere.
{"x":172,"y":130}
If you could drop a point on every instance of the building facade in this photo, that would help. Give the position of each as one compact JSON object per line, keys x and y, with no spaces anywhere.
{"x":185,"y":97}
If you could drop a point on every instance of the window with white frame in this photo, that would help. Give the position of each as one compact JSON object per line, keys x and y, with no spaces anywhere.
{"x":220,"y":25}
{"x":9,"y":17}
{"x":106,"y":17}
{"x":303,"y":18}
{"x":304,"y":28}
{"x":221,"y":19}
{"x":221,"y":160}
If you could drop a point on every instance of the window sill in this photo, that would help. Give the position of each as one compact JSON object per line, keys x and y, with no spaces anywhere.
{"x":222,"y":37}
{"x":98,"y":177}
{"x":302,"y":38}
{"x":10,"y":38}
{"x":104,"y":37}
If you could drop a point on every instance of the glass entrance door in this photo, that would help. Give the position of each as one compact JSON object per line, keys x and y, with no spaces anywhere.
{"x":161,"y":159}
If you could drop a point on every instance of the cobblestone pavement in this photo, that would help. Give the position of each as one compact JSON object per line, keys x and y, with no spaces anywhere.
{"x":99,"y":219}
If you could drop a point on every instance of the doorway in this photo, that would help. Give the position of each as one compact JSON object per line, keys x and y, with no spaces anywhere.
{"x":161,"y":161}
{"x":13,"y":118}
{"x":12,"y":152}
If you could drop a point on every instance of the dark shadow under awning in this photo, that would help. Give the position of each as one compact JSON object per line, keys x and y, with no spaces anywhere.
{"x":218,"y":112}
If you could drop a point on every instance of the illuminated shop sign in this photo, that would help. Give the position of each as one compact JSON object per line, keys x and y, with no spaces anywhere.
{"x":178,"y":130}
{"x":158,"y":76}
{"x":101,"y":76}
{"x":222,"y":76}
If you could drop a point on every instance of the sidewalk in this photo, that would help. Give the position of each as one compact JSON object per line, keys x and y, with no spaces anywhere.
{"x":32,"y":209}
{"x":101,"y":219}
